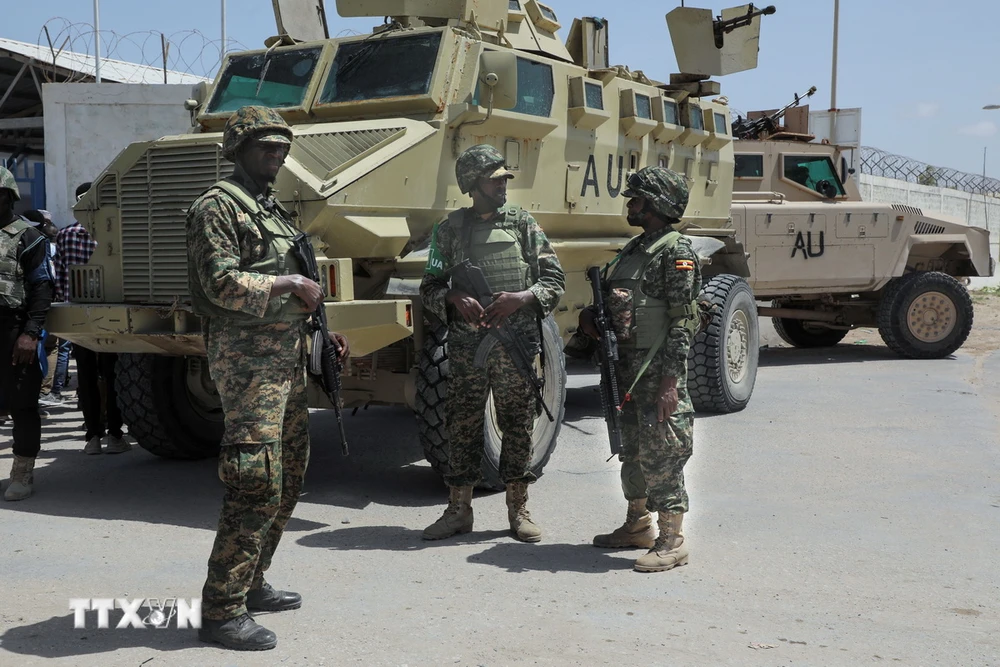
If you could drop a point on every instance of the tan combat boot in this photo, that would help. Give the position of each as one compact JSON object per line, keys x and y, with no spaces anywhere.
{"x":517,"y":513}
{"x":669,"y":551}
{"x":457,"y":517}
{"x":21,"y":478}
{"x":636,"y":532}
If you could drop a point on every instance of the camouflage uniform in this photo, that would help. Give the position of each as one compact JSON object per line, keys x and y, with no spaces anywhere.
{"x":466,"y":235}
{"x":256,"y":355}
{"x":653,"y":454}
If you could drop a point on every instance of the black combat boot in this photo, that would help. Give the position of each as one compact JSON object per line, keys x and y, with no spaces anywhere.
{"x":240,"y":634}
{"x":266,"y":598}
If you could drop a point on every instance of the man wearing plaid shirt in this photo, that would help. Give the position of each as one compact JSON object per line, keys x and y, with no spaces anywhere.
{"x":75,"y":245}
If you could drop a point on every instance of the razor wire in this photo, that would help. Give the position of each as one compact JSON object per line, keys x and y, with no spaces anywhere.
{"x":187,"y":51}
{"x":880,"y":163}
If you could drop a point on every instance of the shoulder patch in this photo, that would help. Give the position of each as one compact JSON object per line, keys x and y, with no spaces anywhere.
{"x":684,"y":265}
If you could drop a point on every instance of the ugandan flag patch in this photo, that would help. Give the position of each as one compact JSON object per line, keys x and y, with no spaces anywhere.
{"x":684,"y":265}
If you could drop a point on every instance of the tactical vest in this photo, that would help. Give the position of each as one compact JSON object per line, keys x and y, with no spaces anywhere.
{"x":12,"y":291}
{"x":495,"y":248}
{"x":651,"y":317}
{"x":278,"y":260}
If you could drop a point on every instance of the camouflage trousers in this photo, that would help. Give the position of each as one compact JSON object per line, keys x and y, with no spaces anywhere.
{"x":468,"y":389}
{"x":263,"y":461}
{"x":653,"y":453}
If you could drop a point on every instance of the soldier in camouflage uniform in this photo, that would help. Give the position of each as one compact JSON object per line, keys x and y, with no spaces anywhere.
{"x":27,"y":286}
{"x":246,"y":284}
{"x":651,"y":287}
{"x":522,"y":270}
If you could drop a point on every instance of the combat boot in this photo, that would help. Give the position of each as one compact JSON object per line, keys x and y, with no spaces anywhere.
{"x":669,"y":550}
{"x":267,"y":598}
{"x":636,"y":532}
{"x":457,"y":517}
{"x":240,"y":634}
{"x":21,"y":478}
{"x":517,"y":513}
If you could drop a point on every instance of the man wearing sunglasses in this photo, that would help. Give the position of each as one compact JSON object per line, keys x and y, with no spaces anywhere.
{"x":247,"y":286}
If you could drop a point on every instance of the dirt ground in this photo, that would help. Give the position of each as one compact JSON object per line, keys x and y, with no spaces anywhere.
{"x":984,"y":338}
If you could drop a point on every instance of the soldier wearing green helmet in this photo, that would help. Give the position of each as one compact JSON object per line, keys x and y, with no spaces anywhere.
{"x":26,"y":289}
{"x":521,"y":268}
{"x":650,"y":289}
{"x":246,"y":285}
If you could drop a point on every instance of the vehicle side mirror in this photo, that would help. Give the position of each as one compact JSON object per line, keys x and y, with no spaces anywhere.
{"x":498,"y":79}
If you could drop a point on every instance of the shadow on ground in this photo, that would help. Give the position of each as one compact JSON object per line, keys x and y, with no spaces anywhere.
{"x":56,"y":638}
{"x":504,"y":552}
{"x":386,"y":466}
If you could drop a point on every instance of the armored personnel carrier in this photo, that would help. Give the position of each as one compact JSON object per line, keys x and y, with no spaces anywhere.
{"x":831,"y":262}
{"x":379,"y":120}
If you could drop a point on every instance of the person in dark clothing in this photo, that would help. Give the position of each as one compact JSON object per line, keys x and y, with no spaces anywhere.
{"x":26,"y":290}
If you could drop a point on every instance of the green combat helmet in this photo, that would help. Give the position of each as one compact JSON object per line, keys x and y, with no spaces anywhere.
{"x":7,"y":182}
{"x":665,"y":190}
{"x":479,"y":161}
{"x":260,"y":123}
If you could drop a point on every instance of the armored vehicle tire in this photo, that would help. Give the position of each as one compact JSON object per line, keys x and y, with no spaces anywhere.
{"x":169,"y":405}
{"x":722,"y":364}
{"x":431,"y":388}
{"x":800,"y":333}
{"x":925,"y":315}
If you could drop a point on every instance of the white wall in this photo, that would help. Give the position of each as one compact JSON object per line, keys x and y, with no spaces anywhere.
{"x":976,"y":210}
{"x":88,"y":124}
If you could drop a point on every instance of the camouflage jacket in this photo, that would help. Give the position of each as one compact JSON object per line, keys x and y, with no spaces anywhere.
{"x":675,"y":277}
{"x":222,"y":238}
{"x":547,"y":280}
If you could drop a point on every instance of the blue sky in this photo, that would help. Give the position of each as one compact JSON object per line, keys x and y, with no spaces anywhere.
{"x":920,"y":69}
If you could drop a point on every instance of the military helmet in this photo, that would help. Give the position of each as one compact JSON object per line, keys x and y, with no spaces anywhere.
{"x":665,"y":190}
{"x":261,"y":123}
{"x":477,"y":162}
{"x":7,"y":182}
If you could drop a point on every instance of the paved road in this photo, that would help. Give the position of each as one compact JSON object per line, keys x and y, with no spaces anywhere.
{"x":848,"y":516}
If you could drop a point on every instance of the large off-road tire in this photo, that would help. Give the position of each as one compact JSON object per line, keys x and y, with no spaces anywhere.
{"x":169,"y":405}
{"x":925,"y":315}
{"x":800,"y":333}
{"x":432,"y":387}
{"x":722,"y":364}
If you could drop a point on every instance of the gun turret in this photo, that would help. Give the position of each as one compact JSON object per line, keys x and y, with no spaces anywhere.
{"x":761,"y":128}
{"x":723,"y":26}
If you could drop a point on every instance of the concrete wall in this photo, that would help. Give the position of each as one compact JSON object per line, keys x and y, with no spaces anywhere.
{"x":976,"y":210}
{"x":87,"y":125}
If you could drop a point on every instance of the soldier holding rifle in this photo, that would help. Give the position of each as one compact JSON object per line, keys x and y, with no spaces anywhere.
{"x":650,"y":291}
{"x":500,"y":246}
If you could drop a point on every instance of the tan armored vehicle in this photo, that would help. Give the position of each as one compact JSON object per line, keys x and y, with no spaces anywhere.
{"x":831,"y":262}
{"x":379,"y":120}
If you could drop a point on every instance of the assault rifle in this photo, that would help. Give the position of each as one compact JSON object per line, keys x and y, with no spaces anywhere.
{"x":607,"y":357}
{"x":744,"y":128}
{"x":472,"y":276}
{"x":324,"y":358}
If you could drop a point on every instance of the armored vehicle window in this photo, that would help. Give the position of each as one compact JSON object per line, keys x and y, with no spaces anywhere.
{"x":642,"y":107}
{"x":286,"y":76}
{"x":721,"y":124}
{"x":670,"y":112}
{"x":535,"y":89}
{"x":514,"y":6}
{"x":595,"y":95}
{"x":749,"y":166}
{"x":548,"y":13}
{"x":378,"y":68}
{"x":815,"y":172}
{"x":695,"y":120}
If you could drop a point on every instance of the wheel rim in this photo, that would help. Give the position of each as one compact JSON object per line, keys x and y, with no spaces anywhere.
{"x":737,"y":337}
{"x":931,"y":317}
{"x":201,"y":392}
